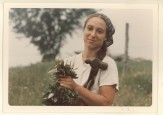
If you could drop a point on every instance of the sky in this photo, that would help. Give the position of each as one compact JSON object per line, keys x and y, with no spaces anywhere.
{"x":22,"y":52}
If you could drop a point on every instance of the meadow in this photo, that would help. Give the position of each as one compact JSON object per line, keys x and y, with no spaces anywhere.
{"x":27,"y":83}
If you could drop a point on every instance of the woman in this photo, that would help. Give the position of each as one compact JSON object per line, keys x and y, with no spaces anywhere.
{"x":98,"y":31}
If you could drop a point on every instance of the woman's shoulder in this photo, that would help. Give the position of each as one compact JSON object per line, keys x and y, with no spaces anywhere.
{"x":109,"y":59}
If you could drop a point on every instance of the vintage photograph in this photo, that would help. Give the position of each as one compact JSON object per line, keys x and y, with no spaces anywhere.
{"x":82,"y":56}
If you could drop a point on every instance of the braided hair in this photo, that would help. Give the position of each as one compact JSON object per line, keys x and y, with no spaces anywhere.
{"x":110,"y":30}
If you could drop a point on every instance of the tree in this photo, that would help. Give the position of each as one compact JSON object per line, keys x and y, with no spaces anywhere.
{"x":47,"y":27}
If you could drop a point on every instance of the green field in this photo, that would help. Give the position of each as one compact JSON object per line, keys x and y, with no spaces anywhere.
{"x":27,"y":84}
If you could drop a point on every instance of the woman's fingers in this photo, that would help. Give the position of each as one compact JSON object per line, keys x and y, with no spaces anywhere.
{"x":67,"y":82}
{"x":64,"y":82}
{"x":65,"y":78}
{"x":65,"y":85}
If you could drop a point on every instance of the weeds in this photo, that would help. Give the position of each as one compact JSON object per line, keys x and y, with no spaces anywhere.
{"x":26,"y":84}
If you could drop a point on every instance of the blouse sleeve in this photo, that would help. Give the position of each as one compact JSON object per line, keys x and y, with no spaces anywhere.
{"x":110,"y":76}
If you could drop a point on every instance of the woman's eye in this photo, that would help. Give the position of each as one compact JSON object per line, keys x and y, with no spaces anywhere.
{"x":89,"y":28}
{"x":100,"y":31}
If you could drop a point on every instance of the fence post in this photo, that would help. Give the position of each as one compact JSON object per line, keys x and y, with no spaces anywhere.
{"x":126,"y":49}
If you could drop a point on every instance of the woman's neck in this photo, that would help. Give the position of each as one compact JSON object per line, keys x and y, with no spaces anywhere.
{"x":89,"y":54}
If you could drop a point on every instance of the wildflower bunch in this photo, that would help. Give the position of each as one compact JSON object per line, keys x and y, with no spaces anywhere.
{"x":56,"y":94}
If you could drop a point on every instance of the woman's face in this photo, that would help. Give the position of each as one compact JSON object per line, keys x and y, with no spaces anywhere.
{"x":94,"y":33}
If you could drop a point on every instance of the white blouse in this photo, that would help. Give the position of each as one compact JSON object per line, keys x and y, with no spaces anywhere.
{"x":104,"y":77}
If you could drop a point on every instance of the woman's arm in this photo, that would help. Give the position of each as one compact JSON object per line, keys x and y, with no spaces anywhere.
{"x":105,"y":96}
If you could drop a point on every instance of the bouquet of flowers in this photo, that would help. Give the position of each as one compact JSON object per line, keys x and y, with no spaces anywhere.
{"x":56,"y":94}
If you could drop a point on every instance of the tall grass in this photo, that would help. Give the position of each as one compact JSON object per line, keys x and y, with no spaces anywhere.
{"x":26,"y":84}
{"x":136,"y":85}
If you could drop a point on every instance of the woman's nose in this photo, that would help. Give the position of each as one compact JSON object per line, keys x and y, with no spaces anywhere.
{"x":93,"y":33}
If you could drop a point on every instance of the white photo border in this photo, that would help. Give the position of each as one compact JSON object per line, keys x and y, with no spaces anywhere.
{"x":95,"y":109}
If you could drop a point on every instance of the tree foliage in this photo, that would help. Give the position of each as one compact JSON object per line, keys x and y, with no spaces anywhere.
{"x":47,"y":27}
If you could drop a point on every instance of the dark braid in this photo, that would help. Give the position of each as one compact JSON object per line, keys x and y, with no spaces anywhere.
{"x":102,"y":52}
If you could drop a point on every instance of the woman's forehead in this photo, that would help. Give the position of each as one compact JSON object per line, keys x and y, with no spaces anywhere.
{"x":96,"y":21}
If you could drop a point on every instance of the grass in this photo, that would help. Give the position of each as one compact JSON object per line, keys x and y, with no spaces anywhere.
{"x":26,"y":84}
{"x":136,"y":85}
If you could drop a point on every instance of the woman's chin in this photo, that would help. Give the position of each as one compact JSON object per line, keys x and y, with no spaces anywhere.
{"x":91,"y":47}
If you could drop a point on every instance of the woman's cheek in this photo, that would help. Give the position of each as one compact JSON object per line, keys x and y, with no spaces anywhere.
{"x":85,"y":37}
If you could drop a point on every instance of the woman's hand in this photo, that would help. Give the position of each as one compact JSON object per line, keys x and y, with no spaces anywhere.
{"x":68,"y":82}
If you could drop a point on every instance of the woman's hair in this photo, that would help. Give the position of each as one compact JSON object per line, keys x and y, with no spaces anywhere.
{"x":102,"y":52}
{"x":110,"y":30}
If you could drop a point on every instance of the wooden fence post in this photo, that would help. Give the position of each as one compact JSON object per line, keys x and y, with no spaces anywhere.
{"x":126,"y":49}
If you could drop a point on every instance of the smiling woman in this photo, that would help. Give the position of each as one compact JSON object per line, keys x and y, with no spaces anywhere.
{"x":95,"y":85}
{"x":94,"y":33}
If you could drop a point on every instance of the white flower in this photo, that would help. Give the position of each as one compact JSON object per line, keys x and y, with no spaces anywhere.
{"x":52,"y":71}
{"x":50,"y":95}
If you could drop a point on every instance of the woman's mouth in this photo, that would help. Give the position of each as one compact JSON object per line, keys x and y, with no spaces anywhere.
{"x":91,"y":40}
